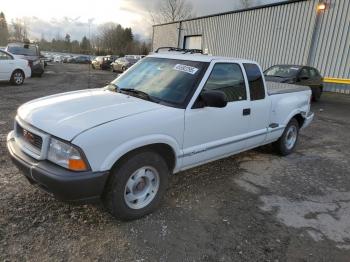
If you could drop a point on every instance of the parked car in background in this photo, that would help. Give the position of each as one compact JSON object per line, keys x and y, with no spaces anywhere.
{"x":96,"y":63}
{"x":82,"y":59}
{"x":103,"y":62}
{"x":58,"y":59}
{"x":28,"y":52}
{"x":107,"y":61}
{"x":122,"y":64}
{"x":171,"y":112}
{"x":299,"y":75}
{"x":66,"y":58}
{"x":13,"y":69}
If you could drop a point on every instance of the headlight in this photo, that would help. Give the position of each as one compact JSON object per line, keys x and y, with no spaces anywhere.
{"x":66,"y":155}
{"x":36,"y":62}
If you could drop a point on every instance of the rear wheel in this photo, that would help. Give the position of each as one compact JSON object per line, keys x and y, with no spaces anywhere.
{"x":17,"y":77}
{"x":287,"y":142}
{"x":137,"y":186}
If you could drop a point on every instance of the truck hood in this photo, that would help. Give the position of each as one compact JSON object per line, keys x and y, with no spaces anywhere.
{"x":67,"y":115}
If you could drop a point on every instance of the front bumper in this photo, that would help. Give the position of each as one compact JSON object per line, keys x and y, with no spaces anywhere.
{"x":63,"y":184}
{"x":308,"y":120}
{"x":37,"y":69}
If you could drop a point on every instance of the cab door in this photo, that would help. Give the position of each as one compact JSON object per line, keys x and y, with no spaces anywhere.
{"x":7,"y":65}
{"x":211,"y":133}
{"x":260,"y":106}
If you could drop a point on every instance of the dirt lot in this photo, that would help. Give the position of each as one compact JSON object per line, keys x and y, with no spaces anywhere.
{"x":256,"y":206}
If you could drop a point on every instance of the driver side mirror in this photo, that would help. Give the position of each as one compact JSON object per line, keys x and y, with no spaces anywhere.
{"x":211,"y":98}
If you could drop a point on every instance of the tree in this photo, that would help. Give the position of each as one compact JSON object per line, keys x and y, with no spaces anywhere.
{"x":19,"y":30}
{"x":4,"y":32}
{"x":85,"y":45}
{"x":171,"y":11}
{"x":67,"y":43}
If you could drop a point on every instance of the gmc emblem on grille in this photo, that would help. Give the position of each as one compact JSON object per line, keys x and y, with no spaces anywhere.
{"x":28,"y":136}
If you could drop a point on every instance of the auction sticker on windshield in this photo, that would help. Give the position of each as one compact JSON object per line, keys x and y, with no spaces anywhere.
{"x":185,"y":68}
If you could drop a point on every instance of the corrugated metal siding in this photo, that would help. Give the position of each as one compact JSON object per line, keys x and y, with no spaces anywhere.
{"x":166,"y":35}
{"x":332,"y":53}
{"x":274,"y":35}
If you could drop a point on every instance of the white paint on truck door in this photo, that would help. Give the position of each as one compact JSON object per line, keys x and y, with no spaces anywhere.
{"x":211,"y":133}
{"x":260,"y":105}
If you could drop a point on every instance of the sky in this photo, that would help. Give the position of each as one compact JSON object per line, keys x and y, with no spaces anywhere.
{"x":49,"y":19}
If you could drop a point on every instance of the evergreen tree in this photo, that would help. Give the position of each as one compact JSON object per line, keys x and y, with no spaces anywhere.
{"x":85,"y":45}
{"x":4,"y":32}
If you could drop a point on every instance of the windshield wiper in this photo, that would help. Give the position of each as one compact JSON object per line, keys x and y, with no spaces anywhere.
{"x":139,"y":93}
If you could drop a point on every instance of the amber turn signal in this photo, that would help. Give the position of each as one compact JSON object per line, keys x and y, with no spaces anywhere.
{"x":77,"y":165}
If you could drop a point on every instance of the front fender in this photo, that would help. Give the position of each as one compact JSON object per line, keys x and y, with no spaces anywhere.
{"x":139,"y":142}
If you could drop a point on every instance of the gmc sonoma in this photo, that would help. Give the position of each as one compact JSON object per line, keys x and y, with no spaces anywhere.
{"x":167,"y":113}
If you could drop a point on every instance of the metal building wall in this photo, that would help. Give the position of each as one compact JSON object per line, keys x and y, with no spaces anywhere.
{"x":165,"y":35}
{"x":268,"y":35}
{"x":332,"y":49}
{"x":272,"y":35}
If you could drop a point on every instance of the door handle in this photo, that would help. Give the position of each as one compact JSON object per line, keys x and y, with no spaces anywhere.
{"x":246,"y":111}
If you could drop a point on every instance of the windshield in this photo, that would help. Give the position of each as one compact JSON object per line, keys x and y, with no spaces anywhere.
{"x":284,"y":71}
{"x":167,"y":80}
{"x":28,"y":50}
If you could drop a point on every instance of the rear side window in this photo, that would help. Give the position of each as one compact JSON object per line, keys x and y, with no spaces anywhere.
{"x":4,"y":56}
{"x":256,"y":84}
{"x":229,"y":79}
{"x":313,"y":72}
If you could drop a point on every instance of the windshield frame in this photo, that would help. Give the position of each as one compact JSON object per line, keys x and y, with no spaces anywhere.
{"x":192,"y":90}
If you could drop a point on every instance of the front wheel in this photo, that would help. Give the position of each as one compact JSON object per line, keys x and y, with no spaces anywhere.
{"x":17,"y":78}
{"x":287,"y":142}
{"x":137,"y":186}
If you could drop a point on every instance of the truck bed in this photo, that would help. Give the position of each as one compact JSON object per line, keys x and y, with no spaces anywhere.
{"x":274,"y":88}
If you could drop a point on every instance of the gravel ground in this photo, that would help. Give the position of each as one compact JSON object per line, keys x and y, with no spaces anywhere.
{"x":255,"y":206}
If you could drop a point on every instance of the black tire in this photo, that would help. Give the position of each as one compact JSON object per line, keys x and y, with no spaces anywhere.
{"x":123,"y":69}
{"x":92,"y":66}
{"x":316,"y":94}
{"x":282,"y":146}
{"x":116,"y":190}
{"x":17,"y":77}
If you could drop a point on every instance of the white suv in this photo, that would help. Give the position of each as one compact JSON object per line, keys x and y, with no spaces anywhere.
{"x":13,"y":69}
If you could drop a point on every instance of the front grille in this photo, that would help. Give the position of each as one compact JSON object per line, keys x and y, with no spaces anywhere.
{"x":29,"y":137}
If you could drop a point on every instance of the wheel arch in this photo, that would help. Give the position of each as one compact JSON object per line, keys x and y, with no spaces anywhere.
{"x":164,"y":146}
{"x":18,"y":69}
{"x":164,"y":150}
{"x":298,"y":115}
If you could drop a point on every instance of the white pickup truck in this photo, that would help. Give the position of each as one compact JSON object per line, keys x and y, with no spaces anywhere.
{"x":167,"y":113}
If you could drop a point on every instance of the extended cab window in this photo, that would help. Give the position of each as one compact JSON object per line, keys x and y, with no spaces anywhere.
{"x":229,"y":79}
{"x":256,"y":83}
